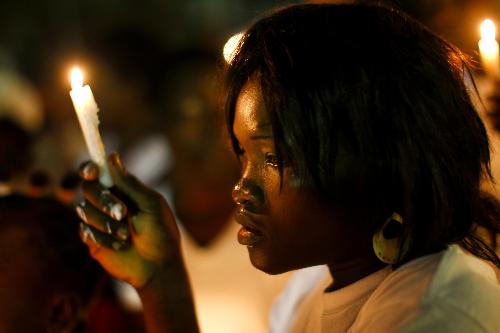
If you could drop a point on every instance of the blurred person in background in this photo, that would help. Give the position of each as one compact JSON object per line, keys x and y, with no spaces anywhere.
{"x":48,"y":281}
{"x":21,"y":119}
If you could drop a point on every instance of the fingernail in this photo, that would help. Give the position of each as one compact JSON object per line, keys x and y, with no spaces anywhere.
{"x":122,"y":233}
{"x":82,"y":231}
{"x":89,"y":170}
{"x":87,"y":233}
{"x":108,"y":228}
{"x":117,"y":212}
{"x":81,"y":213}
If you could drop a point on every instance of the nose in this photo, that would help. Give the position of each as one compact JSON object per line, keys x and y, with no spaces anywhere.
{"x":248,"y":196}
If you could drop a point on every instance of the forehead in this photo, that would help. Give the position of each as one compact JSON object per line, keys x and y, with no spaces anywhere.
{"x":250,"y":113}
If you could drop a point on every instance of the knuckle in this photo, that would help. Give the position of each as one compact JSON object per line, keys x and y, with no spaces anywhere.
{"x":88,"y":170}
{"x":112,"y":206}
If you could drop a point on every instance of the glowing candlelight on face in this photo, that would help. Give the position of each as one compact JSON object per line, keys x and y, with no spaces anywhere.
{"x":488,"y":48}
{"x":86,"y":110}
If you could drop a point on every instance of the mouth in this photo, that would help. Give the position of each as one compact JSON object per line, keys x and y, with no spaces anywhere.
{"x":250,"y":233}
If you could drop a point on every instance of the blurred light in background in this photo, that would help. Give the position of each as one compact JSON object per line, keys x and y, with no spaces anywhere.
{"x":488,"y":48}
{"x":230,"y":47}
{"x":488,"y":30}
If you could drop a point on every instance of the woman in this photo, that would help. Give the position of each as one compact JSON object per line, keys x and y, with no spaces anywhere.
{"x":361,"y":150}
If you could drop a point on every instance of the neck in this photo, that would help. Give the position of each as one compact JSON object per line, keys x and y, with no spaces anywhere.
{"x":344,"y":274}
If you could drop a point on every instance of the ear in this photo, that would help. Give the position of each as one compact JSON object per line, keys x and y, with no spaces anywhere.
{"x":64,"y":313}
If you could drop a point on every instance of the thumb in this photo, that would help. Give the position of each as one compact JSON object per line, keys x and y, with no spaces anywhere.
{"x":145,"y":198}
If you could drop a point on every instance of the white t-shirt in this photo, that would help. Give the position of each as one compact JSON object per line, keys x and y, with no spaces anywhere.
{"x":300,"y":284}
{"x":445,"y":292}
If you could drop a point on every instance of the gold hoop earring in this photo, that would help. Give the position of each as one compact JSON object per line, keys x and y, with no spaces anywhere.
{"x":387,"y":240}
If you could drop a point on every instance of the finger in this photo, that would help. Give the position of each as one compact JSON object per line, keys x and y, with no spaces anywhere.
{"x":102,"y":222}
{"x":96,"y":240}
{"x":88,"y":171}
{"x":104,"y":200}
{"x":146,"y":199}
{"x":120,"y":260}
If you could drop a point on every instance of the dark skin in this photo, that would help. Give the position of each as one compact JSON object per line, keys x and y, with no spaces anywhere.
{"x":298,"y":228}
{"x":150,"y":258}
{"x":284,"y":229}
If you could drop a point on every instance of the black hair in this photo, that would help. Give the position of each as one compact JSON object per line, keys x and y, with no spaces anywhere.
{"x":15,"y":152}
{"x":392,"y":93}
{"x":68,"y":265}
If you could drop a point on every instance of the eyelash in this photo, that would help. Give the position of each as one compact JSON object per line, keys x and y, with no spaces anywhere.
{"x":271,"y":160}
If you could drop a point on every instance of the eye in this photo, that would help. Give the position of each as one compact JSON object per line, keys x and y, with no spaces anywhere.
{"x":271,"y":160}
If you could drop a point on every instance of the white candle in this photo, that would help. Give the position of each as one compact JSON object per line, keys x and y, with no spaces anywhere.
{"x":488,"y":49}
{"x":86,"y":110}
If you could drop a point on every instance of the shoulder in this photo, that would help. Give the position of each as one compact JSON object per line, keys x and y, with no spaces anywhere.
{"x":303,"y":291}
{"x":464,"y":295}
{"x":451,"y":291}
{"x":397,"y":299}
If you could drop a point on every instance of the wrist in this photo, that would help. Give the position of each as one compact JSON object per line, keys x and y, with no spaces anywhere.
{"x":167,"y":300}
{"x":167,"y":275}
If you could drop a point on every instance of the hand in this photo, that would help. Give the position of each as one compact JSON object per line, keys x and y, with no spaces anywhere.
{"x":129,"y":229}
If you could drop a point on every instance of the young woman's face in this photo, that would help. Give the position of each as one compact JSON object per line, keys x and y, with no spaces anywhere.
{"x":285,"y":228}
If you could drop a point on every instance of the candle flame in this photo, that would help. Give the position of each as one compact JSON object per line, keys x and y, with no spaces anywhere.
{"x":76,"y":78}
{"x":488,"y":30}
{"x":230,"y":47}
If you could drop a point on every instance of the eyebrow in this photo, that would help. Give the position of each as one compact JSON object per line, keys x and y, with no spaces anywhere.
{"x":264,"y":127}
{"x":261,"y":137}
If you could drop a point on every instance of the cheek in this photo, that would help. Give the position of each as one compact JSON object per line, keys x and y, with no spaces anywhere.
{"x":300,"y":221}
{"x":291,"y":212}
{"x":268,"y":183}
{"x":297,"y":235}
{"x":286,"y":198}
{"x":285,"y":202}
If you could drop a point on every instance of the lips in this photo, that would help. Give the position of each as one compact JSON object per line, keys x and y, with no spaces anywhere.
{"x":250,"y":233}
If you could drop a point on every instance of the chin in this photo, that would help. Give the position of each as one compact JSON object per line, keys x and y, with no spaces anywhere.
{"x":267,"y":263}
